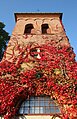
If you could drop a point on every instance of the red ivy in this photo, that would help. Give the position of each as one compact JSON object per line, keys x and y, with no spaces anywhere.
{"x":54,"y":74}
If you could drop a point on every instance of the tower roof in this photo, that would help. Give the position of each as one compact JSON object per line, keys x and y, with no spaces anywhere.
{"x":17,"y":15}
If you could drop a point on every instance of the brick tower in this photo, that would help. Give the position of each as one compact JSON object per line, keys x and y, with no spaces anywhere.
{"x":37,"y":28}
{"x":38,"y":70}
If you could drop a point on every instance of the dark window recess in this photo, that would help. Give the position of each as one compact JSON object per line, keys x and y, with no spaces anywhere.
{"x":44,"y":28}
{"x":35,"y":52}
{"x":39,"y":105}
{"x":28,"y":28}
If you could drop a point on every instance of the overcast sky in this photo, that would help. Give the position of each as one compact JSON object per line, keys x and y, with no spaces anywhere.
{"x":67,"y":7}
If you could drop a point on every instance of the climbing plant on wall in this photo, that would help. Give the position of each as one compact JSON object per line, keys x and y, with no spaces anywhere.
{"x":44,"y":69}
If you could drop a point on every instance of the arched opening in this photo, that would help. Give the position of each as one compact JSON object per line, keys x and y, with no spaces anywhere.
{"x":28,"y":28}
{"x":35,"y":52}
{"x":39,"y":105}
{"x":45,"y":28}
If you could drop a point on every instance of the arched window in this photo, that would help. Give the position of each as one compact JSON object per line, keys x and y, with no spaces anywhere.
{"x":28,"y":28}
{"x":35,"y":52}
{"x":39,"y":105}
{"x":45,"y":28}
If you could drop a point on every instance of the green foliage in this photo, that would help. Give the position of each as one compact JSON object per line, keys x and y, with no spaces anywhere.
{"x":4,"y":38}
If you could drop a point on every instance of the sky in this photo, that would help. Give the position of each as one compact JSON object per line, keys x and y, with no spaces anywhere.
{"x":67,"y":7}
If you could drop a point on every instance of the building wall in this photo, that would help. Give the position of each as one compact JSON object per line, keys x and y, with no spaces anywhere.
{"x":34,"y":117}
{"x":56,"y":36}
{"x":39,"y":117}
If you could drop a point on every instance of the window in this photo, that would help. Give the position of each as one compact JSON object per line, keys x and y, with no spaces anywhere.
{"x":45,"y":27}
{"x":35,"y":52}
{"x":28,"y":28}
{"x":39,"y":105}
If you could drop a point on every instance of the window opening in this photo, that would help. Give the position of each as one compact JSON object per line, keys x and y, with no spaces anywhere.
{"x":39,"y":105}
{"x":44,"y":28}
{"x":35,"y":52}
{"x":28,"y":28}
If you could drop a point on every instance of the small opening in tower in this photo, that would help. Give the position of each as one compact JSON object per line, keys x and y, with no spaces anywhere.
{"x":44,"y":27}
{"x":28,"y":28}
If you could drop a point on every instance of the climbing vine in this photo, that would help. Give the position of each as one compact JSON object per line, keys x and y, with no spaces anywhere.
{"x":44,"y":69}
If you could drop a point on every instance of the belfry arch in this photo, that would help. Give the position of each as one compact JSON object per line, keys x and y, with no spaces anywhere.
{"x":28,"y":28}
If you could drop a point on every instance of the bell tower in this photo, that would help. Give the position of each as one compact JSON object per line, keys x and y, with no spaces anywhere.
{"x":38,"y":71}
{"x":37,"y":28}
